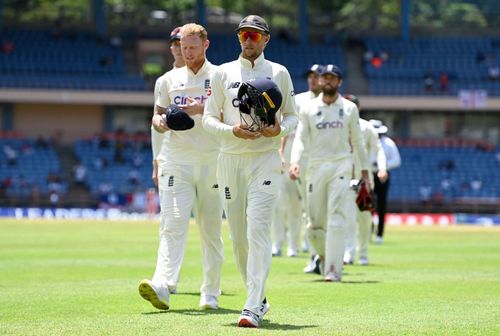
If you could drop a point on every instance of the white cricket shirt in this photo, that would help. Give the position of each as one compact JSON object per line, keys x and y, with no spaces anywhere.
{"x":193,"y":146}
{"x":225,"y":84}
{"x":326,"y":129}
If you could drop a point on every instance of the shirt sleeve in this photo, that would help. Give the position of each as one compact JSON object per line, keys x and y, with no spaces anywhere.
{"x":163,"y":98}
{"x":301,"y":138}
{"x":288,"y":107}
{"x":156,"y":142}
{"x":392,"y":153}
{"x":379,"y":151}
{"x":213,"y":107}
{"x":357,"y":140}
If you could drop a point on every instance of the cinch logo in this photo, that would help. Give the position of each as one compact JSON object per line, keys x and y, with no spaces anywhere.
{"x":182,"y":100}
{"x":330,"y":124}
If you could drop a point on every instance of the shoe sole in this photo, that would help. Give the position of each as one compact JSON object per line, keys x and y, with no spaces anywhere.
{"x":244,"y":323}
{"x":208,"y":307}
{"x":148,"y":293}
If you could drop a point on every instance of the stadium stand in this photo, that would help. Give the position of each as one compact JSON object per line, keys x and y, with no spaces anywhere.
{"x":72,"y":60}
{"x":29,"y":166}
{"x":466,"y":61}
{"x":444,"y":171}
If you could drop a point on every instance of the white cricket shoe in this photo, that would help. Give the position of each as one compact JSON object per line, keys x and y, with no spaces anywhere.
{"x":209,"y":302}
{"x":158,"y":296}
{"x":314,"y":265}
{"x":363,"y":261}
{"x":379,"y":240}
{"x":264,"y":308}
{"x":276,"y":252}
{"x":248,"y":319}
{"x":292,"y":252}
{"x":332,"y":277}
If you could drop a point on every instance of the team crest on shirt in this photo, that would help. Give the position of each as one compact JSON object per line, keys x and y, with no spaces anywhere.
{"x":208,"y":88}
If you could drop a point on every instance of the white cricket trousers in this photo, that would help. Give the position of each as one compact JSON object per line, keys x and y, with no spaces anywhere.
{"x":328,"y":205}
{"x":249,"y":190}
{"x":183,"y":188}
{"x":288,"y":215}
{"x":358,"y":231}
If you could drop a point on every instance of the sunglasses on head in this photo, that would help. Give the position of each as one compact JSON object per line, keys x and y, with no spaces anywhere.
{"x":253,"y":36}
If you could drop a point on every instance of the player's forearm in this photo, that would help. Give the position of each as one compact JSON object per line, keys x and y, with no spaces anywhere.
{"x":214,"y":126}
{"x":288,"y":124}
{"x":156,"y":142}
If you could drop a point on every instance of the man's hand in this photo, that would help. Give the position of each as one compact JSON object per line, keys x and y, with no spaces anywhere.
{"x":159,"y":120}
{"x":193,"y":107}
{"x":242,"y":131}
{"x":382,"y":175}
{"x":155,"y":173}
{"x":294,"y":171}
{"x":272,"y":131}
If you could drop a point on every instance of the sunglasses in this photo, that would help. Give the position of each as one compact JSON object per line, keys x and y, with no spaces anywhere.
{"x":253,"y":36}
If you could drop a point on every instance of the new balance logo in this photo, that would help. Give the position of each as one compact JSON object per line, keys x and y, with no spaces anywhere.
{"x":171,"y":181}
{"x":215,"y":186}
{"x":228,"y":193}
{"x":266,"y":183}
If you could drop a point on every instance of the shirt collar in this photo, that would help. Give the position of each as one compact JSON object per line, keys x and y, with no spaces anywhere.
{"x":257,"y":63}
{"x":337,"y":102}
{"x":204,"y":68}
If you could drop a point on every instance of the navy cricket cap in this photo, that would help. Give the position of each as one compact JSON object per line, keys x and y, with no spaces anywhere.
{"x":254,"y":21}
{"x":178,"y":119}
{"x":352,"y":98}
{"x":315,"y":68}
{"x":175,"y":34}
{"x":331,"y":69}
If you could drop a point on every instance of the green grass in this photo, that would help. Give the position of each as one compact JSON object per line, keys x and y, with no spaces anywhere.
{"x":81,"y":277}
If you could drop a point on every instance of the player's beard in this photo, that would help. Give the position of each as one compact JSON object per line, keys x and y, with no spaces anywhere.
{"x":330,"y":90}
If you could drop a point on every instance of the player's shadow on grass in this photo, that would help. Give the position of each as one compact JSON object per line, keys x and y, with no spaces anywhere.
{"x":266,"y":325}
{"x":350,"y":282}
{"x":198,"y":294}
{"x":195,"y":312}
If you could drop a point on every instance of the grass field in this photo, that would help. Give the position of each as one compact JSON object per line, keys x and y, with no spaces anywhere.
{"x":81,"y":277}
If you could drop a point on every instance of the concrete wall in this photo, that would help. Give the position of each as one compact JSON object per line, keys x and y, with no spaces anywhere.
{"x":66,"y":122}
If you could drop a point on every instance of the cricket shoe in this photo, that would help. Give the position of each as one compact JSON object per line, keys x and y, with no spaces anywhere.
{"x":332,"y":277}
{"x":292,"y":252}
{"x":314,"y":265}
{"x":158,"y":296}
{"x":379,"y":240}
{"x":276,"y":252}
{"x":264,"y":308}
{"x":209,"y":302}
{"x":363,"y":261}
{"x":248,"y":319}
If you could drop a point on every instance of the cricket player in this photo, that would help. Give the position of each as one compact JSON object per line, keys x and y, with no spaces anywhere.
{"x":249,"y":165}
{"x":325,"y":127}
{"x":359,"y":229}
{"x":158,"y":138}
{"x":290,"y":215}
{"x":187,"y":178}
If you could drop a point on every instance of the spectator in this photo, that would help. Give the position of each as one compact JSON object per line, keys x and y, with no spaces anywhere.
{"x":493,"y":72}
{"x":41,"y":143}
{"x":425,"y":191}
{"x":429,"y":82}
{"x":8,"y":47}
{"x":476,"y":184}
{"x":79,"y":173}
{"x":443,"y":82}
{"x":10,"y":154}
